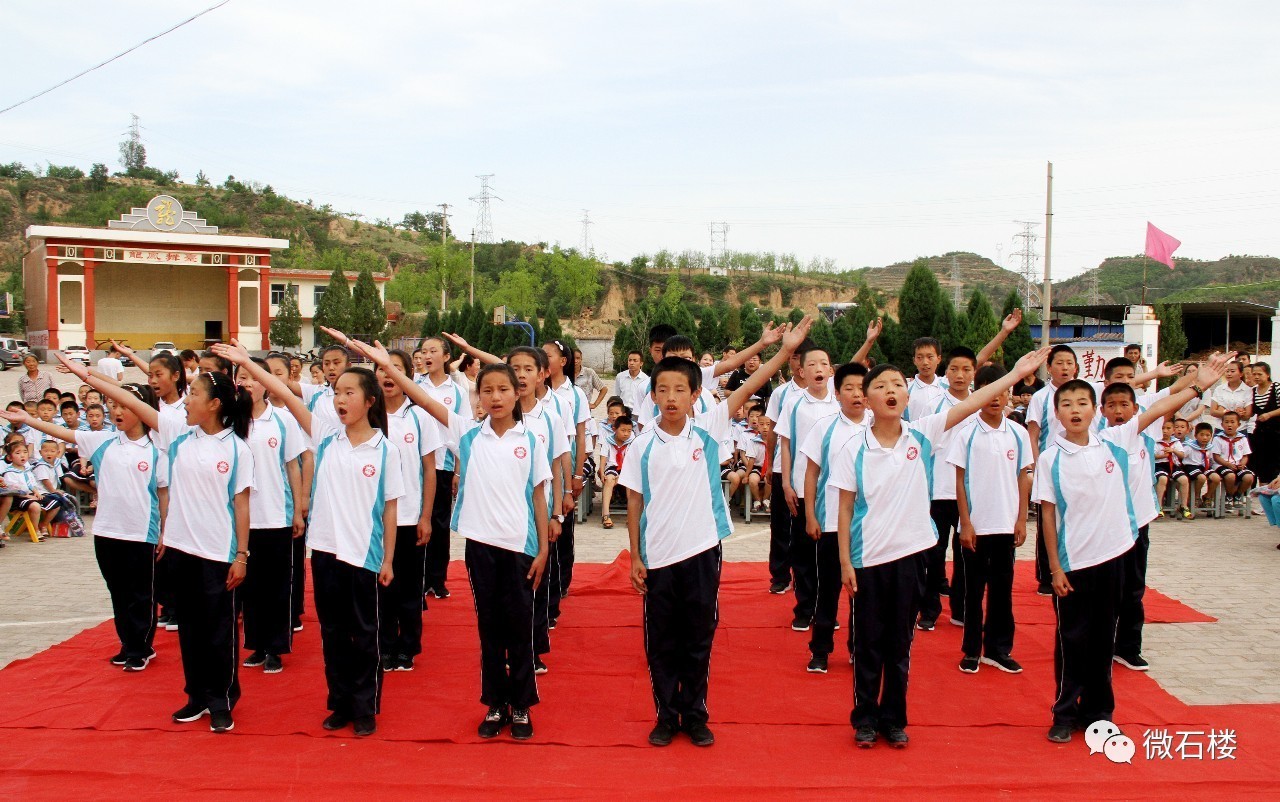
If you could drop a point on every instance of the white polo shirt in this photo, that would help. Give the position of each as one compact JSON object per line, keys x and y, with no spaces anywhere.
{"x":319,"y":401}
{"x":993,"y":460}
{"x":803,"y":410}
{"x":275,"y":440}
{"x":206,"y":472}
{"x":1089,"y":488}
{"x":455,"y":398}
{"x":178,"y":409}
{"x":679,"y":477}
{"x":498,"y":476}
{"x":415,"y":434}
{"x":631,"y":390}
{"x":893,"y":485}
{"x":1041,"y":411}
{"x":923,"y":397}
{"x":944,"y":474}
{"x":828,"y":438}
{"x":129,"y":474}
{"x":1231,"y":448}
{"x":774,"y":410}
{"x":548,"y":428}
{"x":349,"y":492}
{"x":648,"y":411}
{"x":110,"y":366}
{"x":1239,"y":398}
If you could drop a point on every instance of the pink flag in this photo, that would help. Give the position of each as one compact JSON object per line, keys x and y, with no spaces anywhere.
{"x":1160,"y":246}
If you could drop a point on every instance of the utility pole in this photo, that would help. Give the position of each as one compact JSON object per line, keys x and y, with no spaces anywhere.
{"x":719,"y":249}
{"x":1027,"y":252}
{"x":586,"y":233}
{"x":444,"y":258}
{"x":955,"y":282}
{"x":1048,"y":247}
{"x":484,"y":220}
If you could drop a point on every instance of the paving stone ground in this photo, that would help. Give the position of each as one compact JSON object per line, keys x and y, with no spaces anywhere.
{"x":1228,"y":569}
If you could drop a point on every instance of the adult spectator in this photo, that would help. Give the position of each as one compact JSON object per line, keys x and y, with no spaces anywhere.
{"x":630,"y":384}
{"x":1265,"y":440}
{"x":111,"y":366}
{"x":1232,"y":395}
{"x":739,"y":376}
{"x":589,"y":381}
{"x":31,"y":387}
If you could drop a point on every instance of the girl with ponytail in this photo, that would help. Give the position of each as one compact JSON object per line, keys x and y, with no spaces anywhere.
{"x":351,"y":530}
{"x":205,"y":533}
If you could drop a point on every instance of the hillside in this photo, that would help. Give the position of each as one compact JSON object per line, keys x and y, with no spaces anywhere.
{"x":1232,"y":278}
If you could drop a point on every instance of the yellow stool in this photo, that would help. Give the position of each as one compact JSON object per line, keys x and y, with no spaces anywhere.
{"x":19,"y":521}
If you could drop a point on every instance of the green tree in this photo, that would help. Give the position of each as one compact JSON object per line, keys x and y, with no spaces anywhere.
{"x":711,"y":332}
{"x":980,"y":323}
{"x":286,"y":327}
{"x":1173,"y":337}
{"x":334,"y":309}
{"x":97,"y":178}
{"x":368,"y":315}
{"x":752,"y":325}
{"x":518,"y":290}
{"x":920,"y":306}
{"x":60,"y":171}
{"x":133,"y":155}
{"x":733,"y":327}
{"x":551,"y":324}
{"x":430,"y":323}
{"x":948,"y":327}
{"x":1019,"y":342}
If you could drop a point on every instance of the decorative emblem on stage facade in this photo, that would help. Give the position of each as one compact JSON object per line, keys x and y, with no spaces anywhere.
{"x":163,"y":213}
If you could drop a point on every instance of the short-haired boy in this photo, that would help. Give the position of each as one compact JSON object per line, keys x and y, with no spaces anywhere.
{"x":1231,"y":456}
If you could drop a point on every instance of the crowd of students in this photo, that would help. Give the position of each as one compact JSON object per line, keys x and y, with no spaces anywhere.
{"x":214,"y":479}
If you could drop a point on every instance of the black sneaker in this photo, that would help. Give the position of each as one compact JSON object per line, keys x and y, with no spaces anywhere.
{"x":1133,"y":662}
{"x":521,"y":725}
{"x":388,"y":662}
{"x":926,"y":624}
{"x":190,"y":712}
{"x":539,"y":667}
{"x":1003,"y":662}
{"x":162,"y":620}
{"x":969,"y":664}
{"x":662,"y":734}
{"x":778,"y":588}
{"x":254,"y":660}
{"x":221,"y":721}
{"x":800,"y":624}
{"x":817,"y":664}
{"x":495,"y":721}
{"x":865,"y":736}
{"x":1060,"y":734}
{"x":139,"y":663}
{"x":551,"y":623}
{"x":118,"y":660}
{"x":273,"y":664}
{"x":700,"y":735}
{"x":1045,"y":589}
{"x":441,"y":592}
{"x":335,"y":721}
{"x":897,"y":737}
{"x":365,"y":725}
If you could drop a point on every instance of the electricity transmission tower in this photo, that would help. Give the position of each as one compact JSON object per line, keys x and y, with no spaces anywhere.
{"x":586,"y":233}
{"x":484,"y":220}
{"x":1093,"y":288}
{"x":719,"y":249}
{"x":1027,"y":253}
{"x":956,"y":284}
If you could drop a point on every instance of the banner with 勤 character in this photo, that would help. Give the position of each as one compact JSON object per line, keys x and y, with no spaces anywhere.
{"x":1093,"y":356}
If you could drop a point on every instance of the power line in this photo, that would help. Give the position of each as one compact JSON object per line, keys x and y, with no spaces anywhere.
{"x":484,"y":220}
{"x":113,"y":58}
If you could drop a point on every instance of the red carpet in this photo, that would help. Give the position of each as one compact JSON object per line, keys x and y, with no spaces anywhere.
{"x":73,"y":725}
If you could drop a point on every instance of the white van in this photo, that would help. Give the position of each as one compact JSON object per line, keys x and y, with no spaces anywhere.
{"x":15,"y":345}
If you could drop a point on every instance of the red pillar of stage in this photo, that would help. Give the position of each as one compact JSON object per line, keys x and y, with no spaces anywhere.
{"x":51,"y":302}
{"x":233,"y":302}
{"x":90,"y":311}
{"x":264,"y":303}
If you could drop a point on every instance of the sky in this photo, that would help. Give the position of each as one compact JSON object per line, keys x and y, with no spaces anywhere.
{"x":867,"y":133}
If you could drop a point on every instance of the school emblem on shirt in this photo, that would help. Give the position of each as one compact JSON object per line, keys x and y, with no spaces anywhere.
{"x":223,"y":467}
{"x":913,"y":452}
{"x":1110,"y":466}
{"x":520,"y":452}
{"x":1009,"y":455}
{"x":1142,"y":453}
{"x":144,"y":466}
{"x":408,"y":437}
{"x":697,"y":454}
{"x":272,"y":442}
{"x":448,"y":400}
{"x":369,"y":471}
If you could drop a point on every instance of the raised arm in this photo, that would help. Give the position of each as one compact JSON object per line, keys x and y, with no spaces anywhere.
{"x":127,"y":352}
{"x":873,"y":333}
{"x":1208,"y":373}
{"x":110,"y":389}
{"x":379,"y":356}
{"x":1162,"y":371}
{"x":238,"y":355}
{"x":790,"y":342}
{"x":466,"y":347}
{"x":1027,"y":365}
{"x":768,"y":337}
{"x":1011,"y":322}
{"x":60,"y":432}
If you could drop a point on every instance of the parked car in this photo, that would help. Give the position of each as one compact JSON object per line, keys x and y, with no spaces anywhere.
{"x":11,"y":344}
{"x":77,"y":353}
{"x":10,"y":359}
{"x":163,"y":348}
